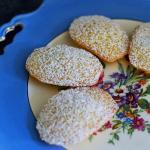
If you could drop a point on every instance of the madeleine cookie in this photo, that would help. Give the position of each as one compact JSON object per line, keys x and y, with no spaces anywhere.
{"x":101,"y":36}
{"x":74,"y":114}
{"x":64,"y":66}
{"x":139,"y":55}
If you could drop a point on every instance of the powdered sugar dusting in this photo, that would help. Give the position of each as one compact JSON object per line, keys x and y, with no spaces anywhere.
{"x":140,"y":47}
{"x":64,"y":65}
{"x":72,"y":115}
{"x":101,"y":36}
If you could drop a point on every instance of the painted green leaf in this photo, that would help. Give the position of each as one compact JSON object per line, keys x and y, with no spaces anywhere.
{"x":128,"y":70}
{"x":111,"y":142}
{"x":116,"y":136}
{"x":148,"y":125}
{"x":133,"y":71}
{"x":130,"y":131}
{"x":140,"y":111}
{"x":120,"y":67}
{"x":143,"y":103}
{"x":147,"y":90}
{"x":146,"y":78}
{"x":90,"y":138}
{"x":135,"y":111}
{"x":148,"y":130}
{"x":117,"y":121}
{"x":124,"y":127}
{"x":141,"y":92}
{"x":115,"y":126}
{"x":126,"y":107}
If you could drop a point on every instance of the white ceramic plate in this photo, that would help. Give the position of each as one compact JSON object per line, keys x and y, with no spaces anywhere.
{"x":39,"y":94}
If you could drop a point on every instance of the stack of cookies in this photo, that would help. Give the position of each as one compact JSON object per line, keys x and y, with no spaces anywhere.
{"x":74,"y":114}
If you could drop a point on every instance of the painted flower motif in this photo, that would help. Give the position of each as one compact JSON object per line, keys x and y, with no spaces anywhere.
{"x":119,"y":100}
{"x":120,"y":115}
{"x":142,"y":82}
{"x":138,"y":123}
{"x":94,"y":133}
{"x":129,"y":115}
{"x":128,"y":121}
{"x":119,"y":91}
{"x":132,"y":99}
{"x":126,"y":88}
{"x":136,"y":86}
{"x":118,"y":76}
{"x":107,"y":85}
{"x":108,"y":125}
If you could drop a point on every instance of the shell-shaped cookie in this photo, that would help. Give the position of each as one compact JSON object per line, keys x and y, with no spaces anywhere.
{"x":64,"y":66}
{"x":101,"y":36}
{"x":140,"y":48}
{"x":74,"y":114}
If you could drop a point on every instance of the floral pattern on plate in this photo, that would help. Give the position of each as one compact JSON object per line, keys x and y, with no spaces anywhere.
{"x":129,"y":88}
